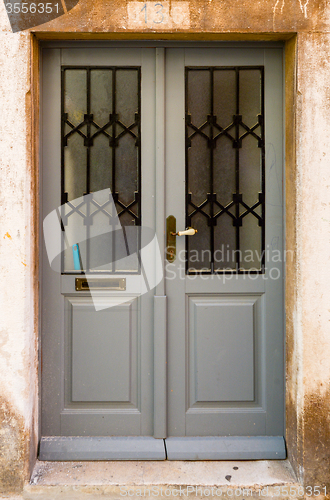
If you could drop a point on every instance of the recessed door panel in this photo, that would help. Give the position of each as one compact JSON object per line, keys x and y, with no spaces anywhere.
{"x":104,"y":351}
{"x":222,"y":333}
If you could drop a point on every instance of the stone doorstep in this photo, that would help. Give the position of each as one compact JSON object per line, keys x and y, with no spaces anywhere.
{"x":262,"y":479}
{"x":136,"y":493}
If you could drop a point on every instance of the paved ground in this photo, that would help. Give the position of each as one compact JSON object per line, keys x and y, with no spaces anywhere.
{"x":117,"y":480}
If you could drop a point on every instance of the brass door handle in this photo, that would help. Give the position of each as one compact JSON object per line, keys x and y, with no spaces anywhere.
{"x":171,"y":237}
{"x":190,"y":231}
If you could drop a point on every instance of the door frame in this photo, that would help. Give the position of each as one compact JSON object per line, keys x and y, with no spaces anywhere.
{"x":160,"y":299}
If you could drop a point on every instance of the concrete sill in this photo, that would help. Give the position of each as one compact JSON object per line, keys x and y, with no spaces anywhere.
{"x":182,"y":479}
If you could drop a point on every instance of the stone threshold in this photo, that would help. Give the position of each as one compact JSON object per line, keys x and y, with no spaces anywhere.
{"x":168,"y":479}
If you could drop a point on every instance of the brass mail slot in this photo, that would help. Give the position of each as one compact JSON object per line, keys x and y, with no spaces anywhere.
{"x":85,"y":284}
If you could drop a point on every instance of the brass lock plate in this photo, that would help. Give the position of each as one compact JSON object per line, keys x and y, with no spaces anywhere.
{"x":170,"y":238}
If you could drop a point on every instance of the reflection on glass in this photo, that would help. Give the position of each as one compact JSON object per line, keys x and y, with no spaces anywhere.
{"x":126,"y":246}
{"x":224,"y":178}
{"x":224,"y":243}
{"x":75,"y":95}
{"x":75,"y":231}
{"x":199,"y":169}
{"x":100,"y":164}
{"x":127,"y":95}
{"x":250,"y":95}
{"x":101,"y":95}
{"x":224,"y":96}
{"x":250,"y":170}
{"x":127,"y":169}
{"x":199,"y":85}
{"x":225,"y":165}
{"x":250,"y":243}
{"x":101,"y":149}
{"x":75,"y":162}
{"x":199,"y":255}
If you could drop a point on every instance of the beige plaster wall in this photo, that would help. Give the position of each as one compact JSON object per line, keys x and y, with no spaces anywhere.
{"x":259,"y":16}
{"x":308,"y":208}
{"x":313,"y":238}
{"x":17,"y":332}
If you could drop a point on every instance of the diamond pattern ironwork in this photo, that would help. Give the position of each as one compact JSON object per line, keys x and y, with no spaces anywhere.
{"x":114,"y":130}
{"x":211,"y":130}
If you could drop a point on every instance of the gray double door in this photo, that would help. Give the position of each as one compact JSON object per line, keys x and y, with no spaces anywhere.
{"x":157,"y":345}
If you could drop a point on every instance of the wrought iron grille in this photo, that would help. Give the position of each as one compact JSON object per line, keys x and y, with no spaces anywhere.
{"x":225,"y":169}
{"x":101,"y":148}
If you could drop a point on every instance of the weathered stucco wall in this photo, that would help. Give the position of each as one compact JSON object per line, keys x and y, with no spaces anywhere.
{"x":101,"y":17}
{"x":17,"y":331}
{"x":313,"y":237}
{"x":308,"y":206}
{"x":204,"y":16}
